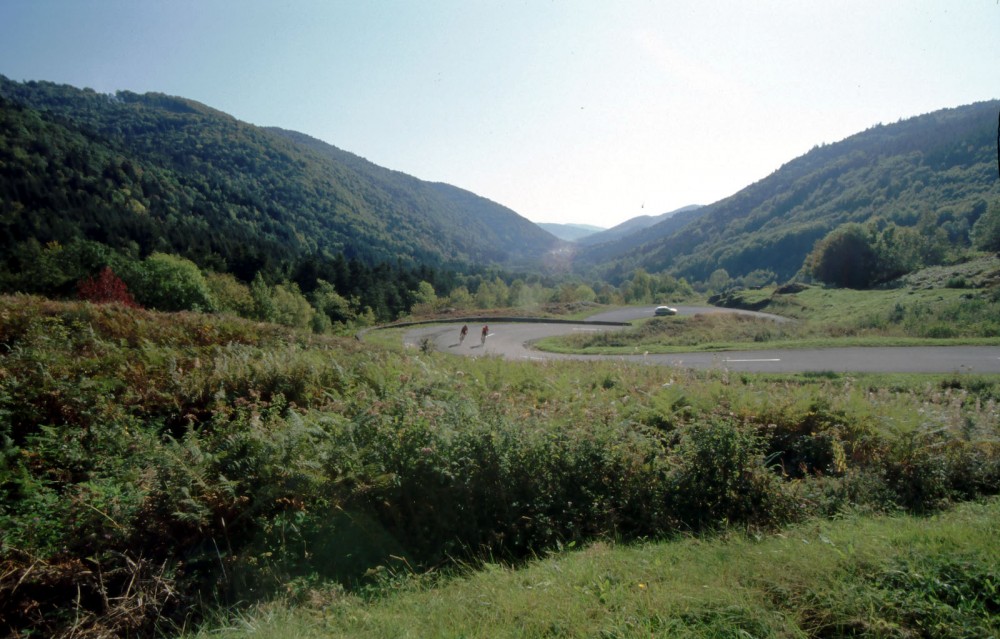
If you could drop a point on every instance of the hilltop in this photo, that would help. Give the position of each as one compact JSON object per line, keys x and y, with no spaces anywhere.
{"x":159,"y":172}
{"x":934,"y":174}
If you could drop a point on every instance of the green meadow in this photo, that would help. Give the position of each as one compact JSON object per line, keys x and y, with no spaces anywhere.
{"x":890,"y":576}
{"x":916,"y":313}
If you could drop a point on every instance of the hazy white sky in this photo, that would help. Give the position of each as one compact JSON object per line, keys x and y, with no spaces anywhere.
{"x":586,"y":111}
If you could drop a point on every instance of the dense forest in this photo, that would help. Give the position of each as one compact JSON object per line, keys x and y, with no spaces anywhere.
{"x":931,"y":176}
{"x":89,"y":180}
{"x":190,"y":208}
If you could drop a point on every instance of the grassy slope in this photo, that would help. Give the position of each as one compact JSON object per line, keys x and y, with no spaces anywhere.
{"x":924,"y":310}
{"x":230,"y":455}
{"x":888,"y":577}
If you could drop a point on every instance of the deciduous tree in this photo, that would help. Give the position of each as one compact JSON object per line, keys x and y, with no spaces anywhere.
{"x":986,"y":231}
{"x":844,"y":257}
{"x":106,"y":288}
{"x":170,"y":283}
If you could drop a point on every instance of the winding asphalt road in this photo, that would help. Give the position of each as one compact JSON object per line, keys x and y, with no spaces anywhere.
{"x":513,"y":341}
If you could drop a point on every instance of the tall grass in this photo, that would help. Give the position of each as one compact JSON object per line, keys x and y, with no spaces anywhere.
{"x":895,"y":576}
{"x":153,"y":461}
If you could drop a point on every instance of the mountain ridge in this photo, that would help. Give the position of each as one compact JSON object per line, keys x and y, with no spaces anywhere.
{"x":218,"y":190}
{"x":569,"y":231}
{"x":936,"y":172}
{"x":636,"y":225}
{"x":153,"y":172}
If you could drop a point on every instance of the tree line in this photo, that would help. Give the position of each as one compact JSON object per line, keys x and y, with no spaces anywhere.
{"x":863,"y":255}
{"x":320,"y":292}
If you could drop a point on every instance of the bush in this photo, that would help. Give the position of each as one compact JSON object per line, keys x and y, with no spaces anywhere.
{"x":986,"y":230}
{"x":845,"y":258}
{"x":927,"y":470}
{"x":170,"y":283}
{"x":230,"y":294}
{"x":856,"y":256}
{"x":720,"y":479}
{"x":104,"y":289}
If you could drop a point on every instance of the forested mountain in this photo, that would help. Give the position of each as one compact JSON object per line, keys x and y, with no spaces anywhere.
{"x":934,"y":174}
{"x":464,"y":223}
{"x":571,"y":232}
{"x":142,"y":175}
{"x":158,"y":173}
{"x":637,"y":225}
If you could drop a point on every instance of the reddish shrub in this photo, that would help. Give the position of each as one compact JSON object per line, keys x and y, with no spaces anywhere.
{"x":105,"y":288}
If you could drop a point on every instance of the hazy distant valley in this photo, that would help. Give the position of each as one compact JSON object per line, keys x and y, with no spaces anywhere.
{"x":211,"y":426}
{"x":157,"y":173}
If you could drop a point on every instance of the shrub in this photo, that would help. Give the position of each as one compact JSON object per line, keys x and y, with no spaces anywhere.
{"x":721,"y":479}
{"x":986,"y":230}
{"x":927,"y":470}
{"x":939,"y":330}
{"x":845,"y":258}
{"x":291,"y":307}
{"x":105,"y":288}
{"x":231,"y":295}
{"x":815,"y":441}
{"x":170,"y":283}
{"x":191,"y":457}
{"x":956,"y":282}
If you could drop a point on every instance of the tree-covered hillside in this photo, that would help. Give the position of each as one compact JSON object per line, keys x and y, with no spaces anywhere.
{"x":158,"y":173}
{"x":472,"y":226}
{"x":618,"y":242}
{"x":935,"y":174}
{"x":637,"y":225}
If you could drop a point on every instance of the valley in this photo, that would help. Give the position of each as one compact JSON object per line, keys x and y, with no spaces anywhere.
{"x":234,"y":401}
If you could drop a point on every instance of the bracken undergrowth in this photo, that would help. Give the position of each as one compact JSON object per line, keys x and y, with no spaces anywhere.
{"x":154,"y":465}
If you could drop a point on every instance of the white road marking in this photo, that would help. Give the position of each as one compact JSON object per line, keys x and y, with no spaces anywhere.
{"x":754,"y":360}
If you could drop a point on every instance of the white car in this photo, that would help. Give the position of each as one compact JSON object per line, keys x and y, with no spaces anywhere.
{"x":665,"y":310}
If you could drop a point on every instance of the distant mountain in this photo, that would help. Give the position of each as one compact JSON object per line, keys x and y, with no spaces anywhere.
{"x":570,"y":232}
{"x":156,"y":172}
{"x":936,"y":173}
{"x":634,"y":225}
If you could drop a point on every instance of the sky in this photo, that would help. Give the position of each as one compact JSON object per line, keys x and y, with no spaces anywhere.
{"x":573,"y":111}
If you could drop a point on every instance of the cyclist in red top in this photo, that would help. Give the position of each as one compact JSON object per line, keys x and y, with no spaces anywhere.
{"x":486,"y":331}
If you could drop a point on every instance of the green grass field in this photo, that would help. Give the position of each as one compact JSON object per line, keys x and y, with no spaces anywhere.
{"x":898,"y":576}
{"x":822,"y":318}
